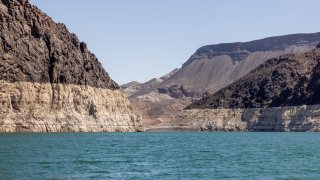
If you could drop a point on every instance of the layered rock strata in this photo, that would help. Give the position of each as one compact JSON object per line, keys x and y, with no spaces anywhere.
{"x":290,"y":80}
{"x":208,"y":70}
{"x":51,"y":82}
{"x":279,"y":119}
{"x":30,"y":107}
{"x":280,"y":95}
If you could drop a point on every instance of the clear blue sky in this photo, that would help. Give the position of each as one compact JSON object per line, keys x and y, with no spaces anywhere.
{"x":142,"y":39}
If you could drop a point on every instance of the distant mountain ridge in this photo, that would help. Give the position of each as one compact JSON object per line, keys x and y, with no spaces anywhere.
{"x":239,"y":50}
{"x":290,"y":80}
{"x":282,"y":94}
{"x":213,"y":67}
{"x":210,"y":69}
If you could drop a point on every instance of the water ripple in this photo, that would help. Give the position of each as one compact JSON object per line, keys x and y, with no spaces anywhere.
{"x":160,"y":156}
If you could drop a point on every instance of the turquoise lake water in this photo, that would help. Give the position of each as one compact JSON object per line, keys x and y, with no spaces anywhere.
{"x":180,"y":155}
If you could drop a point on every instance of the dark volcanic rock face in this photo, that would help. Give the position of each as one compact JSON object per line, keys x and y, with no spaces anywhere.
{"x":290,"y":80}
{"x":176,"y":91}
{"x":209,"y":70}
{"x":33,"y":48}
{"x":50,"y":82}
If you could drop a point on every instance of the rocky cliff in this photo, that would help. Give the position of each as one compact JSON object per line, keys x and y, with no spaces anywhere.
{"x":208,"y":70}
{"x":280,"y":95}
{"x":290,"y":80}
{"x":51,"y":82}
{"x":280,"y":119}
{"x":213,"y":67}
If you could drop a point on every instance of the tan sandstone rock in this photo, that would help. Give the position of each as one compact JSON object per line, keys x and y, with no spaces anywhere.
{"x":35,"y":107}
{"x":290,"y":118}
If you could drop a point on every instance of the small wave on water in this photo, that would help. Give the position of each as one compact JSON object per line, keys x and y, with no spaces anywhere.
{"x":174,"y":155}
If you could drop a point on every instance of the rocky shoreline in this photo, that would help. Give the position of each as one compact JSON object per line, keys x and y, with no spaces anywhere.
{"x":274,"y":119}
{"x":45,"y":107}
{"x":51,"y":82}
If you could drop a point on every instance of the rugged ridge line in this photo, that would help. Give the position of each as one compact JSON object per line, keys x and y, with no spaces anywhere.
{"x":36,"y":49}
{"x":240,"y":50}
{"x":208,"y":70}
{"x":290,"y":80}
{"x":280,"y":95}
{"x":51,"y":82}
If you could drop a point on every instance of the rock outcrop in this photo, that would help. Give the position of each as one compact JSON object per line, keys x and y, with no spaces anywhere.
{"x":214,"y":67}
{"x":280,"y":119}
{"x":51,"y":82}
{"x":282,"y":94}
{"x":208,"y":70}
{"x":290,"y":80}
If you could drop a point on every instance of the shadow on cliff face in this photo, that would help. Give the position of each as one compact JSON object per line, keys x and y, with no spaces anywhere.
{"x":256,"y":122}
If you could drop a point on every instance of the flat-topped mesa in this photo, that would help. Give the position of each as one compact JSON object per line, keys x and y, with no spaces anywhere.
{"x":51,"y":82}
{"x":241,"y":50}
